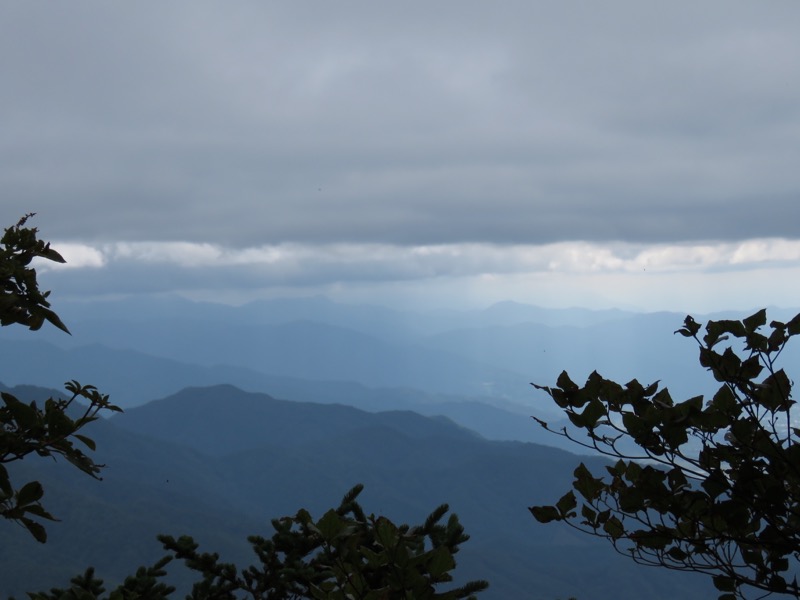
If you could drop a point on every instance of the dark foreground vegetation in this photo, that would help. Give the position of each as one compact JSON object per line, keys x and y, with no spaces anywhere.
{"x":711,"y":487}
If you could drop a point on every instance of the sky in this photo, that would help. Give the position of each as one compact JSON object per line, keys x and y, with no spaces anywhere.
{"x":446,"y":154}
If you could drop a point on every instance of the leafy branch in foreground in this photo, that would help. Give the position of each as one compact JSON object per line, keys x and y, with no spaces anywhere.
{"x":714,"y":486}
{"x":49,"y":432}
{"x":343,"y":555}
{"x":25,"y":428}
{"x":21,"y":301}
{"x":145,"y":585}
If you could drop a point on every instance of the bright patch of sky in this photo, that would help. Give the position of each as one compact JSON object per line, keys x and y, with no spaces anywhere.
{"x":450,"y":259}
{"x":688,"y":277}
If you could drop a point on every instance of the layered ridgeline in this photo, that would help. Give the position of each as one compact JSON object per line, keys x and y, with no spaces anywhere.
{"x":132,"y":377}
{"x":492,"y":354}
{"x":473,"y":366}
{"x":218,"y":463}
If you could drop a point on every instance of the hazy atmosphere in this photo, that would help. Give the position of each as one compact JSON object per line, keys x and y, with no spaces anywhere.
{"x":370,"y":252}
{"x":624,"y":154}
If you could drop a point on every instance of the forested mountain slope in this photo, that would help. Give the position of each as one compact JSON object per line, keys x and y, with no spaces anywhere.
{"x":175,"y":475}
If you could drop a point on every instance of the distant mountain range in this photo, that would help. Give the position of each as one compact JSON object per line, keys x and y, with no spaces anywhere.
{"x":422,"y":408}
{"x":473,"y":367}
{"x":218,"y":463}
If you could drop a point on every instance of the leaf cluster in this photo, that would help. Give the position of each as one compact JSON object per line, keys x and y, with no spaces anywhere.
{"x":27,"y":428}
{"x":47,"y":431}
{"x":345,"y":554}
{"x":715,"y":485}
{"x":144,"y":585}
{"x":21,"y":301}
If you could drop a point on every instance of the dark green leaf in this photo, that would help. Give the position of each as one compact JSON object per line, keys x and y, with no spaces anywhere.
{"x":566,"y":504}
{"x":752,"y":323}
{"x":441,"y":561}
{"x":593,"y":412}
{"x":724,"y":584}
{"x":676,"y":553}
{"x":37,"y":531}
{"x":545,"y":514}
{"x":87,"y":441}
{"x":588,"y":486}
{"x":690,"y":327}
{"x":30,"y":493}
{"x":613,"y":527}
{"x":793,"y":326}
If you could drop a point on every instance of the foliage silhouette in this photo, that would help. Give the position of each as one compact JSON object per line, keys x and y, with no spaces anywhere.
{"x":26,"y":428}
{"x":714,"y":486}
{"x":21,"y":301}
{"x":345,"y":554}
{"x":144,"y":585}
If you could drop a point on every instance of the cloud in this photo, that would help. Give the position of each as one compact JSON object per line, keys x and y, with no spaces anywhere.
{"x":684,"y":277}
{"x":77,"y":256}
{"x":180,"y":254}
{"x":299,"y":263}
{"x":523,"y":123}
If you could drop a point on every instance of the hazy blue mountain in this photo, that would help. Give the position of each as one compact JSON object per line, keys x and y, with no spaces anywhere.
{"x":641,"y":346}
{"x":152,"y":347}
{"x":377,"y":321}
{"x":303,"y":349}
{"x":129,"y":377}
{"x":88,"y":319}
{"x":131,"y":322}
{"x":218,"y":462}
{"x":226,"y":486}
{"x":516,"y":313}
{"x":149,"y":486}
{"x":507,"y":344}
{"x":494,"y":353}
{"x":243,"y":421}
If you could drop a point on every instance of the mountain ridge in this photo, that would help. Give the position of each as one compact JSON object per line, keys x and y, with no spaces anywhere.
{"x":155,"y":483}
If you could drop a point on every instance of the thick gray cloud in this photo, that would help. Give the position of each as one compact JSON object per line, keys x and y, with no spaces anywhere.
{"x":410,"y":123}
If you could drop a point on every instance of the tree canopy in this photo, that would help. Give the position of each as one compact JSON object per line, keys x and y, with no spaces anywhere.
{"x":713,"y":485}
{"x":343,"y":555}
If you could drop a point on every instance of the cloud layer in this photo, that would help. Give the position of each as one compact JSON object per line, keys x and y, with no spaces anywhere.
{"x":688,"y":277}
{"x":337,"y":262}
{"x":412,"y":125}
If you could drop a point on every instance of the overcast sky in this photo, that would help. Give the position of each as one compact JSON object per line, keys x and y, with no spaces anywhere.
{"x":617,"y":153}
